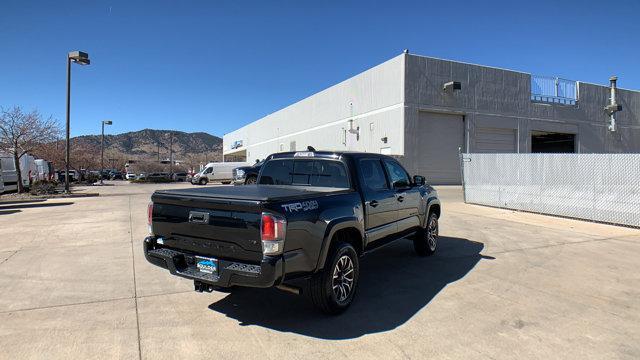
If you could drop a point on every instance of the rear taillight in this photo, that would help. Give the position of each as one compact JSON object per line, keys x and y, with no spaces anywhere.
{"x":150,"y":217}
{"x":272,"y":233}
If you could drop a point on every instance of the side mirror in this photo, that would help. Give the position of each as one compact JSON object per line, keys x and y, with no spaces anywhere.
{"x":419,"y":180}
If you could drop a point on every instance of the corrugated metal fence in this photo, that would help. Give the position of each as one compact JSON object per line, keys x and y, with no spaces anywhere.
{"x":598,"y":187}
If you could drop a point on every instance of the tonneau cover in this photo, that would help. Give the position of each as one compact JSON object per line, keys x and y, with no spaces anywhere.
{"x":251,"y":192}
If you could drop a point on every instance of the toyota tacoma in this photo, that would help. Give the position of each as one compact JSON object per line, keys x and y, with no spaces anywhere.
{"x":311,"y":216}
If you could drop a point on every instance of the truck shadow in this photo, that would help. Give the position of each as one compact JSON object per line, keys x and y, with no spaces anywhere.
{"x":394,"y":285}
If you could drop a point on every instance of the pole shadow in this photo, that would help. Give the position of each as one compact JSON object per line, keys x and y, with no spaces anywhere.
{"x":35,"y":205}
{"x":394,"y":285}
{"x":21,"y":201}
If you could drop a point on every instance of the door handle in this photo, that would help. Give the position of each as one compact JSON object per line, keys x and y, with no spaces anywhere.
{"x":373,"y":203}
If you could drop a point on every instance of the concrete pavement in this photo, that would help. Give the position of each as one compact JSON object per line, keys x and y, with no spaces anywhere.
{"x":74,"y":284}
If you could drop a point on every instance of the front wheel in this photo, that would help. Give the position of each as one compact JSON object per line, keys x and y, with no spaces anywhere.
{"x":250,"y":180}
{"x":426,"y":241}
{"x":333,"y":288}
{"x":202,"y":182}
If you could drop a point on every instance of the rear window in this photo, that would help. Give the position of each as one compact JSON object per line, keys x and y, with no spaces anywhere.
{"x":322,"y":173}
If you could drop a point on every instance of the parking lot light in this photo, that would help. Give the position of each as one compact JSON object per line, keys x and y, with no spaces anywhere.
{"x":82,"y":58}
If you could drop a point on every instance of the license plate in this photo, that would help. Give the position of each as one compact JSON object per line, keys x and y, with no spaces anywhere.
{"x":207,"y":265}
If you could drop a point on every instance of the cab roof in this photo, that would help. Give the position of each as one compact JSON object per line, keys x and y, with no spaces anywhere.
{"x":322,"y":154}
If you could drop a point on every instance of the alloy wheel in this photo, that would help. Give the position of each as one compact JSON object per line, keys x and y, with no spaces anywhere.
{"x":343,"y":277}
{"x":432,"y":233}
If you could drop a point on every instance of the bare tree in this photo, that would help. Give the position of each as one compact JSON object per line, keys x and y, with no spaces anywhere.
{"x":21,"y":132}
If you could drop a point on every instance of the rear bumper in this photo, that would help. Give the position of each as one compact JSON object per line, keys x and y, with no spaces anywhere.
{"x":268,"y":273}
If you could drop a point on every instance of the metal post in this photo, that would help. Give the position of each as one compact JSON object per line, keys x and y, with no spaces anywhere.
{"x":66,"y":157}
{"x":171,"y":154}
{"x":102,"y":154}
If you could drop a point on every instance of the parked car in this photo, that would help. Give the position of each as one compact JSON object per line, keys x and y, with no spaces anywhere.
{"x":130,"y":176}
{"x":158,"y":177}
{"x":310,"y":216}
{"x":141,"y":176}
{"x":116,"y":175}
{"x":216,"y":172}
{"x":74,"y":175}
{"x":247,"y":175}
{"x":179,"y":176}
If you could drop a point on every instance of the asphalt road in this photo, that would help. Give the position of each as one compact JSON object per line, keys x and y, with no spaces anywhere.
{"x":74,"y":284}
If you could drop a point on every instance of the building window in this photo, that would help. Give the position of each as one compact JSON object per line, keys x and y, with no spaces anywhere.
{"x":292,"y":146}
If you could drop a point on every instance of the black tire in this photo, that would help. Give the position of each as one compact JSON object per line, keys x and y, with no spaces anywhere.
{"x":426,"y":241}
{"x":333,"y":296}
{"x":202,"y":182}
{"x":251,"y":180}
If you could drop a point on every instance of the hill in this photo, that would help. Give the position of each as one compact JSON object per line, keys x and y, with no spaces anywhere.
{"x":149,"y":144}
{"x":144,"y":148}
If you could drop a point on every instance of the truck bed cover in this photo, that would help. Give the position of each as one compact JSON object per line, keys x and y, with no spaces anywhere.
{"x":251,"y":192}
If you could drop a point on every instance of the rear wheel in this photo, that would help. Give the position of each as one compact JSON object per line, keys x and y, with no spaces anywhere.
{"x":202,"y":182}
{"x":333,"y":289}
{"x":426,"y":241}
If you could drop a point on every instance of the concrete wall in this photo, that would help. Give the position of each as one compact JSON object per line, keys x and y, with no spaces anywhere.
{"x":498,"y":98}
{"x":319,"y":120}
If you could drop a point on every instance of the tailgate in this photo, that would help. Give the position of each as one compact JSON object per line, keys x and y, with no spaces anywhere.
{"x":220,"y":228}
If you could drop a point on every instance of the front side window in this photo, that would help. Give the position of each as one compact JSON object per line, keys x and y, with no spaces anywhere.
{"x":207,"y":171}
{"x":397,"y":174}
{"x":322,"y":173}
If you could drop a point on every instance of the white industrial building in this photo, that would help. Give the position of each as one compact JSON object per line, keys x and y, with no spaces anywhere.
{"x":424,"y":110}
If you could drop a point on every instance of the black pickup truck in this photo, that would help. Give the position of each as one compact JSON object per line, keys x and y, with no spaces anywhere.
{"x":310,"y":216}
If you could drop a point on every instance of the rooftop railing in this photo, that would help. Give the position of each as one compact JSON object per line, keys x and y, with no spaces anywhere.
{"x":553,"y":90}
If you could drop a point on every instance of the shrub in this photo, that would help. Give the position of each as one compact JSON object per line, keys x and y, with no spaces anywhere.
{"x":43,"y":187}
{"x":91,"y":178}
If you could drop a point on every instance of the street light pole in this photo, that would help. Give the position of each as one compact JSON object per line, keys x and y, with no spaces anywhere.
{"x":81,"y":58}
{"x":171,"y":154}
{"x":104,"y":122}
{"x":66,"y":153}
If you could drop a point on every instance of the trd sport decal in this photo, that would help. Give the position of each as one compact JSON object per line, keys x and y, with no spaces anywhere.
{"x":301,"y":206}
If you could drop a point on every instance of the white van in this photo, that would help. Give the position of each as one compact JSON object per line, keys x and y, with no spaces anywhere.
{"x":9,"y":173}
{"x":28,"y":169}
{"x":42,"y":170}
{"x":1,"y":181}
{"x":216,"y":172}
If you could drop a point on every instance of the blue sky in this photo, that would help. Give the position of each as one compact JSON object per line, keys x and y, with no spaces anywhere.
{"x":214,"y":66}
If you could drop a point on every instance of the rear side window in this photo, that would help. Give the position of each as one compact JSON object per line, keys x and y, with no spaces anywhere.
{"x":322,"y":173}
{"x":372,"y":174}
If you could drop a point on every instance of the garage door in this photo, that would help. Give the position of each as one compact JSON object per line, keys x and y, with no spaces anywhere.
{"x":492,"y":140}
{"x":440,"y":136}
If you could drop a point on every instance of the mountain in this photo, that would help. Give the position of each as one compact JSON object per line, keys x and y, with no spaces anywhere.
{"x":149,"y":144}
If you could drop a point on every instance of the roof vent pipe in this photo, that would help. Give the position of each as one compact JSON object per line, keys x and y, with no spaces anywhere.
{"x":613,"y":106}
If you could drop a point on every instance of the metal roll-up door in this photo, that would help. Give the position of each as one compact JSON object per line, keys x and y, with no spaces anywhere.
{"x":439,"y":137}
{"x":493,"y":140}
